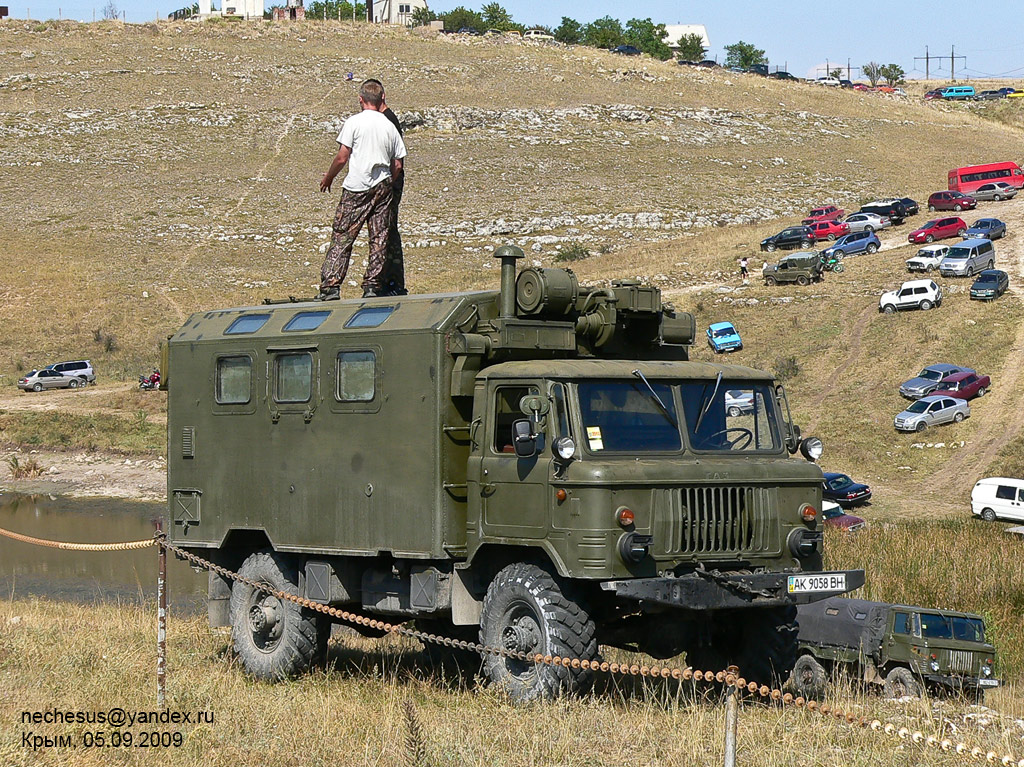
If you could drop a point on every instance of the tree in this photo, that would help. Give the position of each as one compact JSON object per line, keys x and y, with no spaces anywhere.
{"x":569,"y":31}
{"x":691,"y":47}
{"x":836,"y":73}
{"x":873,"y":71}
{"x":496,"y":17}
{"x":605,"y":33}
{"x":460,"y":17}
{"x":648,"y":37}
{"x":423,"y":16}
{"x":110,"y":10}
{"x":893,"y":74}
{"x":744,"y":55}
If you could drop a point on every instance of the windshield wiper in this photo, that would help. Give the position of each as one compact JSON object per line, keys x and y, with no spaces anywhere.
{"x":707,"y":403}
{"x":665,"y":410}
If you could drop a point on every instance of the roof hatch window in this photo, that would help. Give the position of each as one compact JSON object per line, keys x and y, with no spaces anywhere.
{"x":306,"y":321}
{"x":247,"y":323}
{"x":370,"y":318}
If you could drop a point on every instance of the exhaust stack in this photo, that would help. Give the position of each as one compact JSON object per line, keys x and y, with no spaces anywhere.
{"x":508,"y":254}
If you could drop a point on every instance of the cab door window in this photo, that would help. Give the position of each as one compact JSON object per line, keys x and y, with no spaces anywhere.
{"x":507,"y":412}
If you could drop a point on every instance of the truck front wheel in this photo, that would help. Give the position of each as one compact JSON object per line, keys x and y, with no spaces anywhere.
{"x":809,"y":678}
{"x":900,"y":683}
{"x":528,"y":610}
{"x":275,"y":638}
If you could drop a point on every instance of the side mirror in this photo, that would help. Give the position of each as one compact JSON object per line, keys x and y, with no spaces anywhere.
{"x":524,"y":440}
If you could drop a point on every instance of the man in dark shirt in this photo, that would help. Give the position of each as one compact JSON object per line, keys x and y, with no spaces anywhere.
{"x":393,"y":278}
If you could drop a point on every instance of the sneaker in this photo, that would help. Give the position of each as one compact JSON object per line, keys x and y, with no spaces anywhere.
{"x":370,"y":293}
{"x":331,"y":294}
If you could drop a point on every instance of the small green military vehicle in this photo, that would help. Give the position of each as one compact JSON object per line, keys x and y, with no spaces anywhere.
{"x":539,"y":466}
{"x":801,"y":268}
{"x":906,"y":650}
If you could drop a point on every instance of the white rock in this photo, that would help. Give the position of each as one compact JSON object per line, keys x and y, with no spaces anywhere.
{"x":145,"y":294}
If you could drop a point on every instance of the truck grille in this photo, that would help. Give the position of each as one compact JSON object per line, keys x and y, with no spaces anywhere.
{"x":716,"y":520}
{"x":960,"y":661}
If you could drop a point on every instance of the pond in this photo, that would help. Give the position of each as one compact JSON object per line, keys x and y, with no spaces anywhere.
{"x":88,"y":576}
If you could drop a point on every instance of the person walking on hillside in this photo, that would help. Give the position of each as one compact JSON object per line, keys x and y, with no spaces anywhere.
{"x":374,"y":152}
{"x":394,"y":277}
{"x":743,"y":269}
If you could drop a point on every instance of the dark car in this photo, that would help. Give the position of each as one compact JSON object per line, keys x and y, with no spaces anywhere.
{"x":951,"y":201}
{"x":911,"y":206}
{"x":758,"y":69}
{"x":790,"y":237}
{"x":708,"y":64}
{"x":988,"y":228}
{"x":964,"y":385}
{"x":780,"y":75}
{"x":932,"y":95}
{"x":894,"y":210}
{"x":843,"y":490}
{"x":990,"y":96}
{"x":627,"y":50}
{"x":1007,"y":91}
{"x":990,"y":284}
{"x":832,"y":515}
{"x":468,"y":31}
{"x":846,"y":83}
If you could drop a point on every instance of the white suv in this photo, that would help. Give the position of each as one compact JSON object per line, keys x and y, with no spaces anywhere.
{"x":928,"y":258}
{"x":916,"y":294}
{"x":80,"y":369}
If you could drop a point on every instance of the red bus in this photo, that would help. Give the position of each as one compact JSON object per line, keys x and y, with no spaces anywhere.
{"x":969,"y":178}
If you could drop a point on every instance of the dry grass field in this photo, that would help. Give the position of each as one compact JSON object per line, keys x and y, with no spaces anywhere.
{"x":151,"y":171}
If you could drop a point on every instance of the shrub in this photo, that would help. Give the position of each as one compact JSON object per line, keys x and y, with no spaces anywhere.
{"x":574,"y":251}
{"x":786,"y":368}
{"x":28,"y":469}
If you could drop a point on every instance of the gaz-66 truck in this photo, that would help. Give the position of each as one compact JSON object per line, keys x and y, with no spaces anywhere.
{"x":904,"y":649}
{"x":539,"y":466}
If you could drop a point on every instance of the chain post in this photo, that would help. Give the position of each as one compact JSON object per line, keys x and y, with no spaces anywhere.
{"x":161,"y":617}
{"x":732,"y":705}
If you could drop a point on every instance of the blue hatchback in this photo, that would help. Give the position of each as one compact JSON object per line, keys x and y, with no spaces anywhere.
{"x":722,"y":337}
{"x":852,"y":244}
{"x":987,"y":228}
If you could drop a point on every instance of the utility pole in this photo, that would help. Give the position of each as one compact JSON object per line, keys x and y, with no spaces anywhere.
{"x":927,"y":58}
{"x":848,"y":68}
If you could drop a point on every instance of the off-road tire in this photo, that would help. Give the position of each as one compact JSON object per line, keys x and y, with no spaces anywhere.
{"x":762,"y":642}
{"x":525,"y":599}
{"x":958,"y":417}
{"x":988,"y":515}
{"x":802,"y":281}
{"x":900,"y":683}
{"x":769,"y":281}
{"x":838,"y":268}
{"x":889,"y":309}
{"x":73,"y":383}
{"x":302,"y":635}
{"x":809,"y":678}
{"x":926,"y":305}
{"x":770,"y":247}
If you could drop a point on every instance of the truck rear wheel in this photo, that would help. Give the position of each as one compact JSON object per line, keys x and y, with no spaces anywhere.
{"x":809,"y":678}
{"x":900,"y":683}
{"x":526,"y":609}
{"x":275,"y":638}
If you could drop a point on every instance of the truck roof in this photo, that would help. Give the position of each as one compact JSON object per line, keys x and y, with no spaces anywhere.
{"x":419,"y":312}
{"x":605,"y":368}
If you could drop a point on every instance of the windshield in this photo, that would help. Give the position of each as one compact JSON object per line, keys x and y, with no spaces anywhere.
{"x":935,"y":626}
{"x":833,"y":513}
{"x":957,"y":252}
{"x":931,"y":375}
{"x":947,"y":386}
{"x":723,"y":332}
{"x":983,"y":277}
{"x":918,"y":407}
{"x":627,"y":417}
{"x":840,"y":482}
{"x":621,"y":416}
{"x":982,"y":224}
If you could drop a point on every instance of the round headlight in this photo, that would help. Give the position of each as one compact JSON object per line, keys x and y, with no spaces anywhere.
{"x":565,"y":448}
{"x":934,"y":665}
{"x":811,"y":448}
{"x":986,"y":671}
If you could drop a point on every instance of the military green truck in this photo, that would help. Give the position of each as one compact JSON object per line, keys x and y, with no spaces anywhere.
{"x":801,"y":268}
{"x":905,"y":650}
{"x":539,"y":466}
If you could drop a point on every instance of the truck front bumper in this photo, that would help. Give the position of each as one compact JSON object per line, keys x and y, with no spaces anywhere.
{"x":714,"y":590}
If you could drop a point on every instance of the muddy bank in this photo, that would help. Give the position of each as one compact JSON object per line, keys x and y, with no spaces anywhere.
{"x":83,"y":475}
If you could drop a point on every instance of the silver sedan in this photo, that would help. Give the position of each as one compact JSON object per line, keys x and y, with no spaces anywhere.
{"x":932,"y":410}
{"x":37,"y":380}
{"x":997,"y":190}
{"x":867,"y":222}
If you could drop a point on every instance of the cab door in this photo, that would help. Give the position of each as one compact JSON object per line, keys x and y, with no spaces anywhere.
{"x":512,"y":491}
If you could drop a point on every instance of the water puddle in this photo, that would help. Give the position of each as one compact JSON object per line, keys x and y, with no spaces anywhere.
{"x":85,"y":576}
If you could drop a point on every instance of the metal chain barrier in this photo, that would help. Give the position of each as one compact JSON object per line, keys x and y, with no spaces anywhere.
{"x":730,"y":677}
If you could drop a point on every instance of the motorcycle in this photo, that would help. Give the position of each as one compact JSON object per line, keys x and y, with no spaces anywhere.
{"x":150,"y":382}
{"x":832,"y":263}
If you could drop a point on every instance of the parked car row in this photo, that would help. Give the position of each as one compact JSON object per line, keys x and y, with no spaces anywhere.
{"x":967,"y":93}
{"x":60,"y":375}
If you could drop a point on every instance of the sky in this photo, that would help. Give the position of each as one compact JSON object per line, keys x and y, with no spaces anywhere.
{"x":796,"y":34}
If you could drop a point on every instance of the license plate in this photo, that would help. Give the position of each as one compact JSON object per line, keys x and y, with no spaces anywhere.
{"x":808,"y":584}
{"x":988,"y":683}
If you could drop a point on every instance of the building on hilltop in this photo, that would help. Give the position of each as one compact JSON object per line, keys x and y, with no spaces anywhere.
{"x":395,"y":11}
{"x":246,"y":9}
{"x":675,"y":31}
{"x":294,"y":11}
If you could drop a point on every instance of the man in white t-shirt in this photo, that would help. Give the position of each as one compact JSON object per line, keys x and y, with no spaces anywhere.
{"x":373,"y":150}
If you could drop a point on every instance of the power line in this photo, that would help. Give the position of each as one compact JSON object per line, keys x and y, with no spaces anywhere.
{"x":928,"y":59}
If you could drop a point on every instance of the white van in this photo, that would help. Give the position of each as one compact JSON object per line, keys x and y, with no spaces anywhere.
{"x":1000,"y":497}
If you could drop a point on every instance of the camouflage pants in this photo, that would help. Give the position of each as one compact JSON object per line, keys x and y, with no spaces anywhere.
{"x":393,"y":278}
{"x":373,"y":208}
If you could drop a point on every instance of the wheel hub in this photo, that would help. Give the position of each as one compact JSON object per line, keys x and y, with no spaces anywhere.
{"x":522,"y":635}
{"x":265,"y":621}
